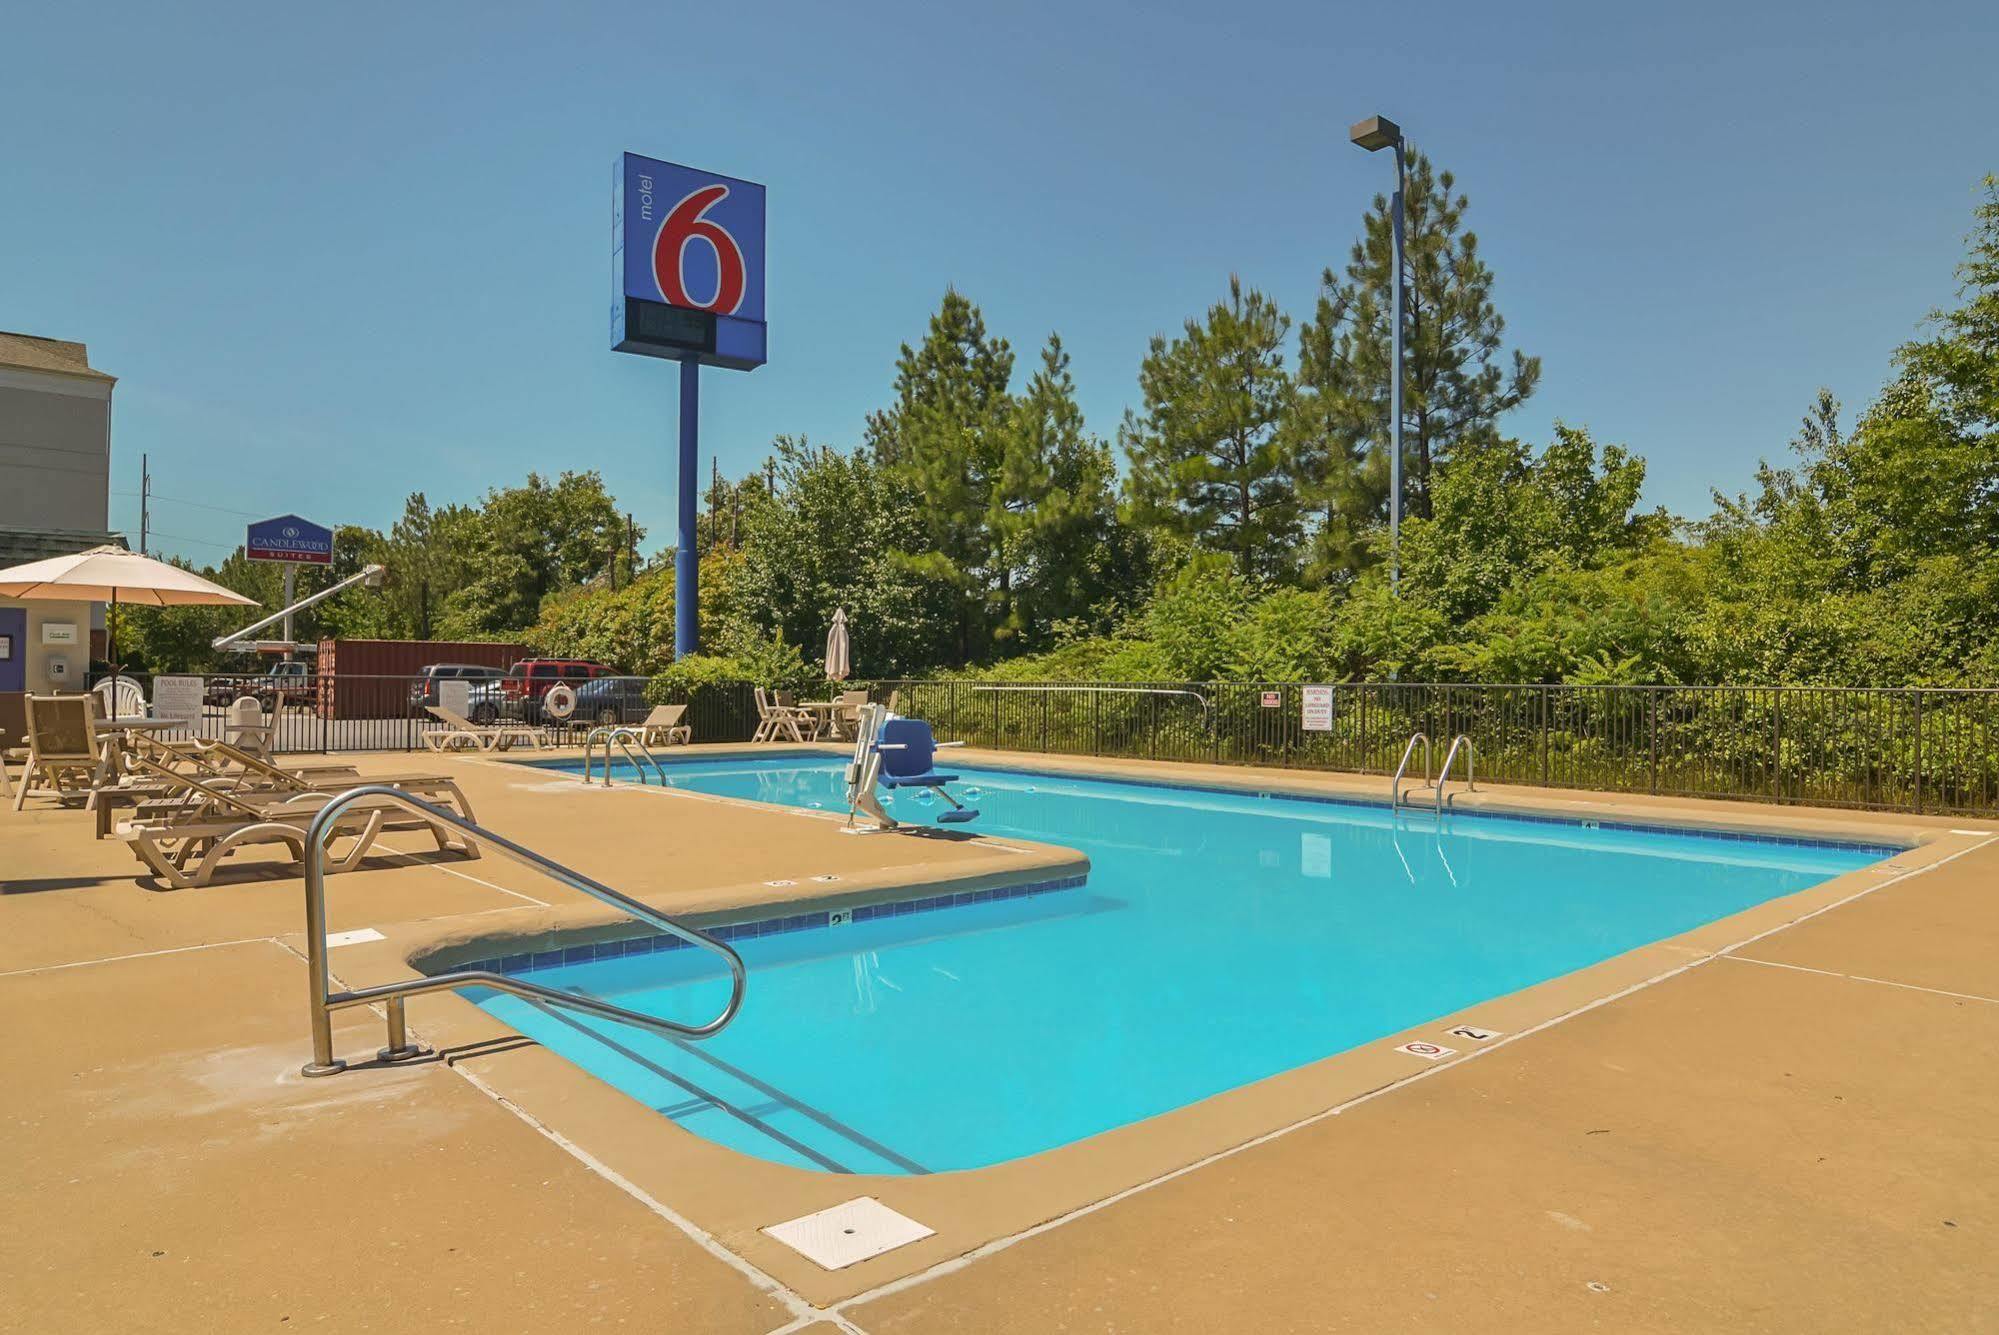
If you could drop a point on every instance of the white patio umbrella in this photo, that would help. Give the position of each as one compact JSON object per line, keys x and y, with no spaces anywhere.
{"x":837,"y":664}
{"x":111,"y":575}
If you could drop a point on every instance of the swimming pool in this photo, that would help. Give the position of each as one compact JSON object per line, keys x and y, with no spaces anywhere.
{"x":1219,"y":938}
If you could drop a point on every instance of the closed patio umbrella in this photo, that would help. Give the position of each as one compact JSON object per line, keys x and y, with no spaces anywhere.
{"x":110,"y":575}
{"x":837,"y":664}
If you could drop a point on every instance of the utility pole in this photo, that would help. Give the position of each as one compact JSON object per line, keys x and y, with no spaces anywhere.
{"x":631,"y":549}
{"x":145,"y":498}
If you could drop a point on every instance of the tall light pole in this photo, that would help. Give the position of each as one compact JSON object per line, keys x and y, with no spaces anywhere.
{"x":1378,"y":132}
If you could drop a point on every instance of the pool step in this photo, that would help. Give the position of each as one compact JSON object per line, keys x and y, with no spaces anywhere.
{"x":720,"y":1101}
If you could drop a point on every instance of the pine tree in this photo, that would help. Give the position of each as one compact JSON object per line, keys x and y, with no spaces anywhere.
{"x":1454,"y":386}
{"x":1054,"y":512}
{"x":946,"y":438}
{"x":1209,"y":456}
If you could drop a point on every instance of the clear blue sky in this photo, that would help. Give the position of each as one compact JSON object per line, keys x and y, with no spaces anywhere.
{"x":340,"y":254}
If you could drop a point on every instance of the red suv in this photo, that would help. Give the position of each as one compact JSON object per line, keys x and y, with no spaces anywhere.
{"x":528,"y":681}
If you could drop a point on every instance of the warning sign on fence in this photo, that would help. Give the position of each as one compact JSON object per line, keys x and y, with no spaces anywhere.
{"x":1318,"y":712}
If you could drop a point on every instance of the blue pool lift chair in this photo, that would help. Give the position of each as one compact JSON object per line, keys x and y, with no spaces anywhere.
{"x":908,"y":760}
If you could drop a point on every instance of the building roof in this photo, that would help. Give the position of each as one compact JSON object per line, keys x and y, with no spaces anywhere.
{"x":34,"y":353}
{"x":18,"y":546}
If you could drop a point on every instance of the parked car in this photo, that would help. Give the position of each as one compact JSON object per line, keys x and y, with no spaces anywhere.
{"x":529,"y":680}
{"x":286,"y":683}
{"x":489,"y":702}
{"x":612,"y":700}
{"x":424,"y":691}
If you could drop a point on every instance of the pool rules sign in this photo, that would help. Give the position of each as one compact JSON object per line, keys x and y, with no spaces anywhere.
{"x":1318,"y":709}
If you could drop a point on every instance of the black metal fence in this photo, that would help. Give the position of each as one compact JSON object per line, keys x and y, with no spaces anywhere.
{"x":1925,"y":750}
{"x":1902,"y":749}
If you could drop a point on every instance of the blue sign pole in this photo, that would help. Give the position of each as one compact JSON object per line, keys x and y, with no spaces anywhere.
{"x":687,"y":557}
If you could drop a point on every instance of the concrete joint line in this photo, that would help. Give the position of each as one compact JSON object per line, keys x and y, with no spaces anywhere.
{"x":137,"y":955}
{"x":1863,"y":978}
{"x":803,"y":1312}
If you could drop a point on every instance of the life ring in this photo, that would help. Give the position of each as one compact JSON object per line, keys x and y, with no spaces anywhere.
{"x":560,"y":702}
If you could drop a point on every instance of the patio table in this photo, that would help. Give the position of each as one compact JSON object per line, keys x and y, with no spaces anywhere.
{"x":826,"y":718}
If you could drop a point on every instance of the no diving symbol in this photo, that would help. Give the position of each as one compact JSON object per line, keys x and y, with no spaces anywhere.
{"x":1429,"y":1052}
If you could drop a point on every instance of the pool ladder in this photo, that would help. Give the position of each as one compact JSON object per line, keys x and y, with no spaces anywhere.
{"x":325,"y":1001}
{"x":1461,"y":742}
{"x":629,"y":740}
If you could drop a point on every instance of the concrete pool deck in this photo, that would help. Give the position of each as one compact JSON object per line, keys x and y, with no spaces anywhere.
{"x":1801,"y":1132}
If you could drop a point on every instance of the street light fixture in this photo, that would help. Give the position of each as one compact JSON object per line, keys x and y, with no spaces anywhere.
{"x":1372,"y":134}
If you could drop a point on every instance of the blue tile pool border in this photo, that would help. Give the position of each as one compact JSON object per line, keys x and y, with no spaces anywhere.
{"x":1341,"y":800}
{"x":528,"y":961}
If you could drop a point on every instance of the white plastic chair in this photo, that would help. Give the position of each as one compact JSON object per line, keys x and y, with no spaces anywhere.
{"x":122,"y":696}
{"x":246,"y":727}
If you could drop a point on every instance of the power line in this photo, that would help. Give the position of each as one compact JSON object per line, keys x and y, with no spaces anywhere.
{"x":199,"y":542}
{"x":199,"y":505}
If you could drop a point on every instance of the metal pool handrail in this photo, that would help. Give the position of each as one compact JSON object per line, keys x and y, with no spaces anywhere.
{"x":1471,"y":768}
{"x":325,"y":1001}
{"x":626,"y":738}
{"x":1395,"y":785}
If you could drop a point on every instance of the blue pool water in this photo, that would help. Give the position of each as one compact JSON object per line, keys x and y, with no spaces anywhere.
{"x":1219,"y":938}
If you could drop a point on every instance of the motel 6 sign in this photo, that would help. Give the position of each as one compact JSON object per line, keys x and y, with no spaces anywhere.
{"x":687,"y":261}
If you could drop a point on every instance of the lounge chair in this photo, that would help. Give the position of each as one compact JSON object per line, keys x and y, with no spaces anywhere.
{"x":664,"y":722}
{"x":62,"y":752}
{"x":459,"y":731}
{"x":156,"y":790}
{"x":185,"y":845}
{"x":775,"y":718}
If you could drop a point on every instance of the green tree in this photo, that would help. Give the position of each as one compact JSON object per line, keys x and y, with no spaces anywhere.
{"x":531,"y":541}
{"x":1062,"y":557}
{"x":1454,"y":384}
{"x":833,"y":535}
{"x":945,"y":437}
{"x":1502,"y":515}
{"x":1209,"y":461}
{"x":430,"y":554}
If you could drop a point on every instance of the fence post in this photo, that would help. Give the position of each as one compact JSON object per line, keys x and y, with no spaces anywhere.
{"x":1544,"y":736}
{"x":1777,"y":742}
{"x":1919,"y":752}
{"x":1653,"y":729}
{"x":1044,"y":723}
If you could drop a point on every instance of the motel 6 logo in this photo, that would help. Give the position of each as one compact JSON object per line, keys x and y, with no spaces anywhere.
{"x":686,"y":223}
{"x":692,"y":240}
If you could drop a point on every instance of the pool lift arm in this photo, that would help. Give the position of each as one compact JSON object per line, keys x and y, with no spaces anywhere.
{"x":369,"y":575}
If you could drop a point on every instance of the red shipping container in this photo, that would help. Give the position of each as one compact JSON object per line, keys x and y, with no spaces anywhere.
{"x":371,"y":678}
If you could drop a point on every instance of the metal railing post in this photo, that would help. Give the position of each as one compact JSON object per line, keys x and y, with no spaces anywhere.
{"x":1544,"y":736}
{"x":323,"y":1061}
{"x":1653,"y":730}
{"x":1919,"y":752}
{"x":324,"y":1001}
